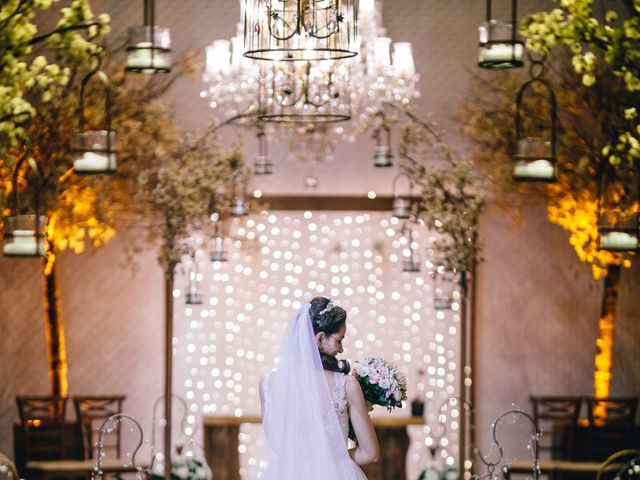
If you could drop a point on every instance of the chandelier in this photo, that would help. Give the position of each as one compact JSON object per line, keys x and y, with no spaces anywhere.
{"x":300,"y":29}
{"x":305,"y":92}
{"x":305,"y":95}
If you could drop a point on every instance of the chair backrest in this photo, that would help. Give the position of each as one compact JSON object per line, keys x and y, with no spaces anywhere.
{"x":7,"y":469}
{"x":557,"y":418}
{"x":91,"y":412}
{"x":42,"y":420}
{"x":620,"y":411}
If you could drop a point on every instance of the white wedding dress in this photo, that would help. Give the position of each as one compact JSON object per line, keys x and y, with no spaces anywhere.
{"x":305,"y":418}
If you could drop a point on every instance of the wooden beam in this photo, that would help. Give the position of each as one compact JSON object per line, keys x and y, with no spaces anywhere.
{"x":326,"y":202}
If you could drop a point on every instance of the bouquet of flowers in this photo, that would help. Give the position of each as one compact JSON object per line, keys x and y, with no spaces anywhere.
{"x":185,"y":468}
{"x":381,"y":382}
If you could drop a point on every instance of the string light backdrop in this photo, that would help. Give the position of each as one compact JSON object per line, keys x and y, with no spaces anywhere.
{"x":277,"y":262}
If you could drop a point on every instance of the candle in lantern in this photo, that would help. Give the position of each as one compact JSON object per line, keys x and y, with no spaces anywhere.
{"x":500,"y":52}
{"x":540,"y":169}
{"x":95,"y":162}
{"x":239,"y":207}
{"x":24,"y":243}
{"x":140,"y":57}
{"x":618,"y":241}
{"x":401,"y":207}
{"x":382,"y":156}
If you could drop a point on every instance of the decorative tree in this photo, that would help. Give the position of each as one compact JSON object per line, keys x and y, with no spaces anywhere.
{"x":449,"y":201}
{"x":600,"y":45}
{"x":29,"y":85}
{"x":587,"y":119}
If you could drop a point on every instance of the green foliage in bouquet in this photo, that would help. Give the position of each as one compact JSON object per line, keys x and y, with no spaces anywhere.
{"x":186,"y":469}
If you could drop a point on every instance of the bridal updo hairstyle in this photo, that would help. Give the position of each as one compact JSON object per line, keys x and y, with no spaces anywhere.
{"x":328,"y":322}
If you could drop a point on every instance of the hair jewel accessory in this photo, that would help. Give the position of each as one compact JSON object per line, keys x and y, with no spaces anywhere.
{"x":326,"y":309}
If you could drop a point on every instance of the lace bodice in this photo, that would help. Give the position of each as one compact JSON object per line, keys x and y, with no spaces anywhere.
{"x":339,"y":399}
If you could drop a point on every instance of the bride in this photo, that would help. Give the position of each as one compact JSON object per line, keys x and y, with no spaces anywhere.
{"x":308,"y":400}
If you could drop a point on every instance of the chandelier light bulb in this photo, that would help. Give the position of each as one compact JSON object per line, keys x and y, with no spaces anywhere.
{"x":366,"y":7}
{"x":403,"y":59}
{"x":381,"y":55}
{"x":218,"y":58}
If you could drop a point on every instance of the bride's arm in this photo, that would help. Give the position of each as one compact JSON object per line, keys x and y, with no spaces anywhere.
{"x":367,"y":450}
{"x":260,"y":389}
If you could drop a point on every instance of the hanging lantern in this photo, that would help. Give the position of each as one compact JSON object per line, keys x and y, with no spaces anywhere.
{"x":193,"y":295}
{"x":309,"y":92}
{"x":94,"y":150}
{"x":24,"y":234}
{"x":382,"y":153}
{"x":402,"y":201}
{"x":618,"y":209}
{"x":217,"y":252}
{"x":535,"y":158}
{"x":443,"y":294}
{"x":239,"y":201}
{"x":411,"y":259}
{"x":149,"y":46}
{"x":300,"y":29}
{"x":262,"y":164}
{"x":499,"y":47}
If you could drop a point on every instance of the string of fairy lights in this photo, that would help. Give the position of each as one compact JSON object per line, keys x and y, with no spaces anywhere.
{"x":277,"y":262}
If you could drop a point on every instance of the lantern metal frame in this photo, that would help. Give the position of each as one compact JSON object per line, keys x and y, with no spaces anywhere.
{"x":296,"y":30}
{"x":526,"y":169}
{"x":382,"y":154}
{"x":618,"y":236}
{"x":500,"y":46}
{"x":95,"y":150}
{"x":314,"y":92}
{"x":402,"y":204}
{"x":217,"y":253}
{"x":149,"y":49}
{"x":193,"y":295}
{"x":13,"y":222}
{"x":410,"y":264}
{"x":441,"y":301}
{"x":239,"y":199}
{"x":262,"y":165}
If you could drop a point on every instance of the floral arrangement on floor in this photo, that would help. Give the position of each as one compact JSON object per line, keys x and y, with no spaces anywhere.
{"x":186,"y":468}
{"x":381,"y":382}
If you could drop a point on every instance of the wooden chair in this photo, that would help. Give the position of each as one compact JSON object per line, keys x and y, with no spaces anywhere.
{"x":611,"y":424}
{"x":42,"y":422}
{"x":557,"y":418}
{"x":91,"y":412}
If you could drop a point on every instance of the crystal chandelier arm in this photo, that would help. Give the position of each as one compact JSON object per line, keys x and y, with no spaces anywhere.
{"x":330,"y":30}
{"x":293,"y":89}
{"x":329,"y":86}
{"x":287,"y":26}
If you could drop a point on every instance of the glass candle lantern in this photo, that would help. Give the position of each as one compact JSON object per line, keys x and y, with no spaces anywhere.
{"x":618,"y":231}
{"x":411,"y":263}
{"x":94,"y":152}
{"x":149,"y":50}
{"x":382,"y":154}
{"x":24,"y":236}
{"x":534,"y":161}
{"x":498,"y":47}
{"x":239,"y":207}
